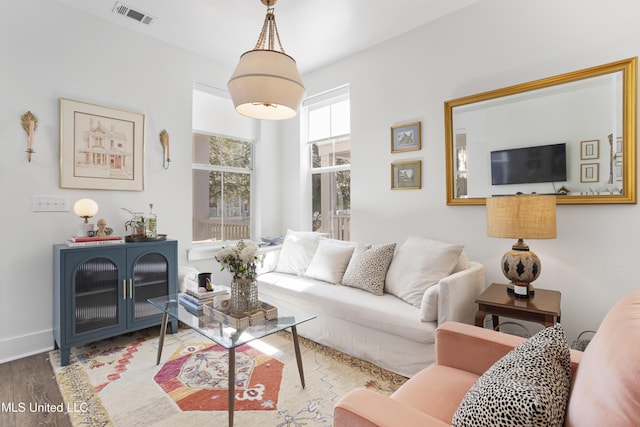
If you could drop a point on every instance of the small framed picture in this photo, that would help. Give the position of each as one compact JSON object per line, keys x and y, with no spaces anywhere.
{"x":590,"y":149}
{"x":589,"y":172}
{"x":406,"y":175}
{"x":405,"y":137}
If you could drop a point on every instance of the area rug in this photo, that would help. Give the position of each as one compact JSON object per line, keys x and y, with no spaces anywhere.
{"x":116,"y":382}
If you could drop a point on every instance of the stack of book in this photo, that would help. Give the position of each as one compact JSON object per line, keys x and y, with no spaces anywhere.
{"x":194,"y":300}
{"x":94,"y":241}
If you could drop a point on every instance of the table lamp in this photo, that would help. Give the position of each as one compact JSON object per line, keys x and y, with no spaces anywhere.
{"x":85,"y":208}
{"x":521,"y":217}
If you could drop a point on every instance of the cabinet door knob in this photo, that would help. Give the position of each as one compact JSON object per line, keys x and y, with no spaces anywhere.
{"x":130,"y":288}
{"x":124,"y":289}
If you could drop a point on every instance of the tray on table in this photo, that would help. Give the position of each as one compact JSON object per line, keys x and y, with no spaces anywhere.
{"x":264,"y":312}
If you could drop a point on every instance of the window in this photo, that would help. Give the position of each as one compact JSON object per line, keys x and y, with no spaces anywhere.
{"x":222,"y":170}
{"x":329,"y":144}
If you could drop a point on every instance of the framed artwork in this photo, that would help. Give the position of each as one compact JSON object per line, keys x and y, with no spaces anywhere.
{"x":406,"y":137}
{"x":100,"y":148}
{"x":589,"y":172}
{"x":617,"y":170}
{"x":406,"y":175}
{"x":590,"y":149}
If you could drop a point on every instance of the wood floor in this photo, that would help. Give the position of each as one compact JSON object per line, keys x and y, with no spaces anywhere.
{"x":29,"y":394}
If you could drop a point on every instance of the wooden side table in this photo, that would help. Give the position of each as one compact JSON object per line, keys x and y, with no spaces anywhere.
{"x":542,"y":307}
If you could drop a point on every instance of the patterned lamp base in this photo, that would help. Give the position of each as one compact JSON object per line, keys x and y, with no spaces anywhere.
{"x":521,"y":267}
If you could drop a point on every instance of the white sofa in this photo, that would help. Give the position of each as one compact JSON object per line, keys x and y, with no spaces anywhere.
{"x":383,"y":329}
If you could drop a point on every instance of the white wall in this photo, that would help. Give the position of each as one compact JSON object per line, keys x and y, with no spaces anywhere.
{"x":489,"y":45}
{"x":50,"y":51}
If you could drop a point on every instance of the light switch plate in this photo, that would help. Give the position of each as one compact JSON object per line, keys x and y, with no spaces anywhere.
{"x":47,"y":203}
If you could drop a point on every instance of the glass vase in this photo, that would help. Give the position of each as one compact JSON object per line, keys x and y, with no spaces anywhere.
{"x":244,"y":297}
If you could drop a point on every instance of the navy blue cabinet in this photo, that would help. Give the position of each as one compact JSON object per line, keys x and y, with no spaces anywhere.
{"x":102,"y":291}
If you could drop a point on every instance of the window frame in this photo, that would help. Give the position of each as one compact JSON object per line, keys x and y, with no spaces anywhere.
{"x":328,"y":98}
{"x":250,"y":170}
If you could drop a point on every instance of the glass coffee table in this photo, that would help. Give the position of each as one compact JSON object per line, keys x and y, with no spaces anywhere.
{"x":227,"y":336}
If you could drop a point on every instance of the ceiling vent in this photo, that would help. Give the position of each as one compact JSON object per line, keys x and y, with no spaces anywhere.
{"x":124,"y":10}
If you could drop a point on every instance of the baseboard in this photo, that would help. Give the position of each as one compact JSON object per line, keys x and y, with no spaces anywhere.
{"x":26,"y":345}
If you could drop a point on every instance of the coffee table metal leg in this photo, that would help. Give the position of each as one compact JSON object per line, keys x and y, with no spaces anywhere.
{"x":232,"y":383}
{"x":163,"y":331}
{"x":296,"y":346}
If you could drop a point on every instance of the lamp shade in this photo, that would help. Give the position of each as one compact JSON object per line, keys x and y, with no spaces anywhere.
{"x":266,"y":85}
{"x":85,"y":208}
{"x":522,"y":217}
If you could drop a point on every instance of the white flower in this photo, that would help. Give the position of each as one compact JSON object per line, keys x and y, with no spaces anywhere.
{"x":239,"y":260}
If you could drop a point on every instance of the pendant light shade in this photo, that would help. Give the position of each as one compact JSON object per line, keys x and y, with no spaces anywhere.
{"x":266,"y":83}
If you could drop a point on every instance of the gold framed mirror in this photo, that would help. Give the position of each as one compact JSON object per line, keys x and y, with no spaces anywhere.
{"x":573,"y":135}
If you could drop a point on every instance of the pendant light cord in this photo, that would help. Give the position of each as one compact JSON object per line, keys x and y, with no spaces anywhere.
{"x":266,"y":39}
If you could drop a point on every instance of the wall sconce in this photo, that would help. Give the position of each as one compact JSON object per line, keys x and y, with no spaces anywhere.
{"x":29,"y":124}
{"x":85,"y":208}
{"x":166,"y":157}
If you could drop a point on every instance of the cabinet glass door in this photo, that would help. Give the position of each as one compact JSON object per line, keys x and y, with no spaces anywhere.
{"x":96,"y":290}
{"x":151,"y":279}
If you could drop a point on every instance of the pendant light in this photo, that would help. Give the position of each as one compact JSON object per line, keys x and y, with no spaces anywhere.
{"x":266,"y":83}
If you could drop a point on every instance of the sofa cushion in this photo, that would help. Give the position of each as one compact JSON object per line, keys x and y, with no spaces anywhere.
{"x":330,"y":260}
{"x":419,"y":264}
{"x":528,"y":386}
{"x":368,"y":267}
{"x":385,"y":313}
{"x":436,"y":390}
{"x":605,"y":389}
{"x":297,"y":251}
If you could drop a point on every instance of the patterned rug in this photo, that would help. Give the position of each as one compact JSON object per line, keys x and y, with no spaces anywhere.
{"x":115,"y":382}
{"x":196,"y":378}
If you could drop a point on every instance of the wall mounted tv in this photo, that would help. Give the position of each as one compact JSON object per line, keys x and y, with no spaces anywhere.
{"x":543,"y":163}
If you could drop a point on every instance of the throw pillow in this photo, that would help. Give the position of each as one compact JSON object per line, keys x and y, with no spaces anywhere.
{"x":529,"y":386}
{"x":462,"y":263}
{"x":330,"y":260}
{"x":297,"y":251}
{"x":419,"y":264}
{"x":368,"y":267}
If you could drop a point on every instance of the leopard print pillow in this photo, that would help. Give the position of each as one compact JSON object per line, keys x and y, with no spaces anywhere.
{"x":368,"y":266}
{"x":529,"y":386}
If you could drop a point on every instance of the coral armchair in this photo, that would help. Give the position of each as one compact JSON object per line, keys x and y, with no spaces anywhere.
{"x":603,"y":390}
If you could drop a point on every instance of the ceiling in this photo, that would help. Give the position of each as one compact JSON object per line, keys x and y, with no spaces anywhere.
{"x":315,"y":33}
